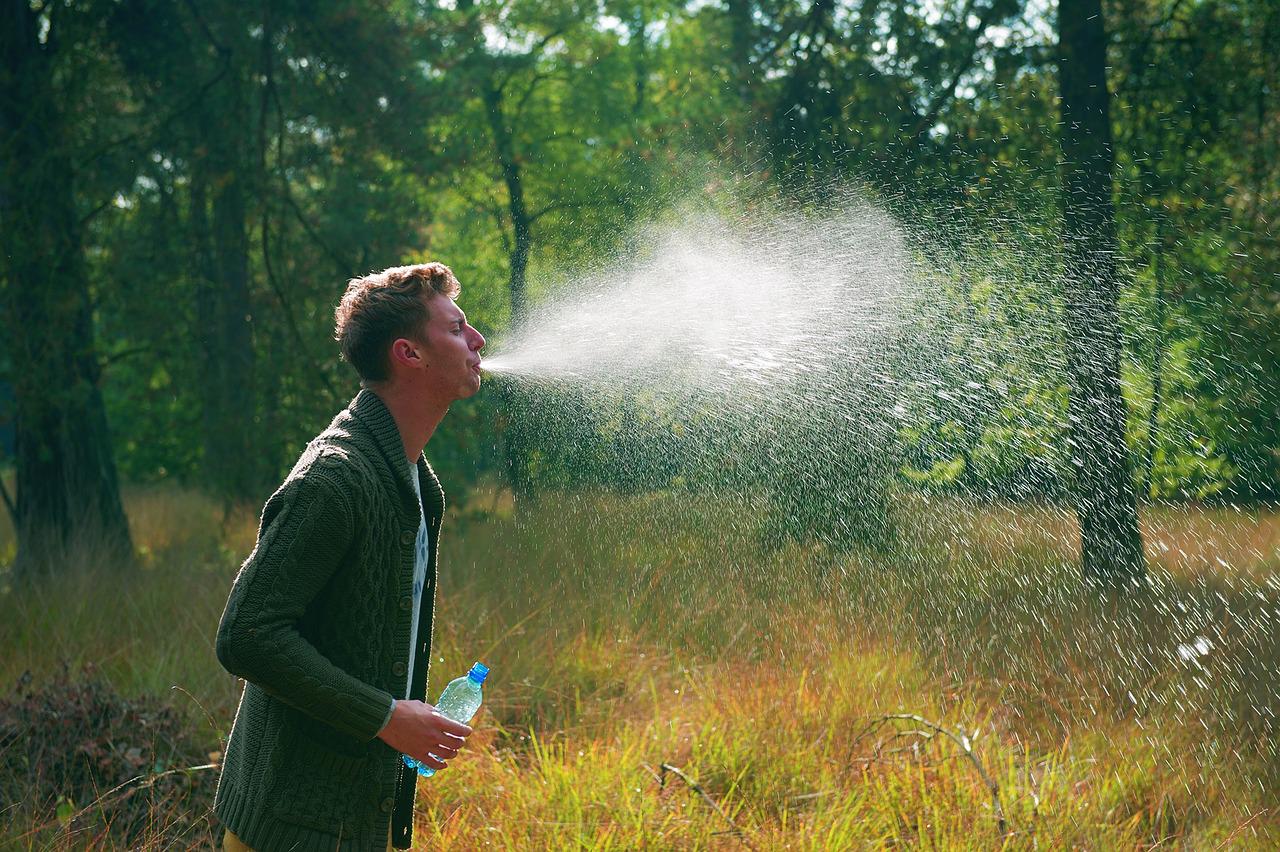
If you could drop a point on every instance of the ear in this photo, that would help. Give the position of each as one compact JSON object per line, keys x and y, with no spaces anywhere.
{"x":407,"y":353}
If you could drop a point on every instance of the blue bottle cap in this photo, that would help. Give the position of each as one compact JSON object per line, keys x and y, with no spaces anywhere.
{"x":478,"y":672}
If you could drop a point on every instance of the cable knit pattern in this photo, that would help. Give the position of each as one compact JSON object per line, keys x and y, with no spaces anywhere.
{"x":318,"y":625}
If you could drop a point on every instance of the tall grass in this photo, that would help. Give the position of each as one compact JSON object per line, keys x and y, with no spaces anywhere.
{"x":629,"y":633}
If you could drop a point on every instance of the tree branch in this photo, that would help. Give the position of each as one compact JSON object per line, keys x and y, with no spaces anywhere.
{"x":290,"y":319}
{"x":8,"y":503}
{"x":163,"y":123}
{"x":697,"y":788}
{"x":960,"y":740}
{"x":116,"y":357}
{"x":552,"y":207}
{"x":528,"y":92}
{"x":342,"y":263}
{"x":93,"y":214}
{"x":222,"y":49}
{"x":809,"y":23}
{"x":492,"y":208}
{"x":934,"y":109}
{"x":1145,"y":42}
{"x":529,"y":58}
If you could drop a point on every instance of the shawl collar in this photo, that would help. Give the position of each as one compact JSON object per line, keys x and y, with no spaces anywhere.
{"x":373,"y":413}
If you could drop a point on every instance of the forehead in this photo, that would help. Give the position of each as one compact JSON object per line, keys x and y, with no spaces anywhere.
{"x":443,"y":310}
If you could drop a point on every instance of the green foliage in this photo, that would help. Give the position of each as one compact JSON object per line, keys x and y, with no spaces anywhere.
{"x":309,"y":142}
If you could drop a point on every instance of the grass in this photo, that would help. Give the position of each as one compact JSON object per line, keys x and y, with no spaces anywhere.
{"x":626,"y":633}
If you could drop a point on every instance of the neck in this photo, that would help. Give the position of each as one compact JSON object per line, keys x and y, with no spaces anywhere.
{"x":416,"y":415}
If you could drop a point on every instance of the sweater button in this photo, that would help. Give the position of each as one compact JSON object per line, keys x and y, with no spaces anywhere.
{"x":398,"y":669}
{"x":406,"y":603}
{"x":408,"y":536}
{"x":387,"y":804}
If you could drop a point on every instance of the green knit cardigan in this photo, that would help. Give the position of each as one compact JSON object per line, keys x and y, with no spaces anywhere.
{"x":318,"y":625}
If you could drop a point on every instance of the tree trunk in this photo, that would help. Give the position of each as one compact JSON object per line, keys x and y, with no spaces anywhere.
{"x":67,"y":491}
{"x":521,"y":224}
{"x":636,"y":185}
{"x":742,"y":36}
{"x":224,"y":303}
{"x":515,"y":442}
{"x":1111,"y":545}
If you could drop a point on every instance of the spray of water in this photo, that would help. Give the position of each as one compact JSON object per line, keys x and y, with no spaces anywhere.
{"x":747,"y":357}
{"x":801,"y":361}
{"x":714,"y":305}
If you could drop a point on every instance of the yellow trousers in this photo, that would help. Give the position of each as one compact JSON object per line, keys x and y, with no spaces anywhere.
{"x":231,"y":843}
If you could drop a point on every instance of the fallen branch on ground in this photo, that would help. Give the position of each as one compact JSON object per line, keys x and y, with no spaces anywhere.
{"x":696,"y":788}
{"x":123,"y":791}
{"x":960,"y":740}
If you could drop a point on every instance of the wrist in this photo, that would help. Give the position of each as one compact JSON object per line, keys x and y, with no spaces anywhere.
{"x":391,"y":711}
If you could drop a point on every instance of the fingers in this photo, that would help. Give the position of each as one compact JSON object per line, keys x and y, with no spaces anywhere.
{"x":437,"y":738}
{"x":449,"y":726}
{"x":445,"y":751}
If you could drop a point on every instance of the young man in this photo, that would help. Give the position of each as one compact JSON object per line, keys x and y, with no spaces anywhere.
{"x":329,"y":619}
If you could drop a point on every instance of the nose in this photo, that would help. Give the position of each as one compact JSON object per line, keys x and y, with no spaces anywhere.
{"x":477,"y":341}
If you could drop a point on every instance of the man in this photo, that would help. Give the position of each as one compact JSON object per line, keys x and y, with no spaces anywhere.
{"x":329,"y":619}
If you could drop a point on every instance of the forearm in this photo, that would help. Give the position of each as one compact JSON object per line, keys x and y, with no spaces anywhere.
{"x":282,"y":663}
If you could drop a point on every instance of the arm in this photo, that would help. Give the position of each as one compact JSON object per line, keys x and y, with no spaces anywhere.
{"x":306,"y":530}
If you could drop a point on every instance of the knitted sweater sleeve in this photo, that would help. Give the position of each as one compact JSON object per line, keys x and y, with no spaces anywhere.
{"x":305,"y":533}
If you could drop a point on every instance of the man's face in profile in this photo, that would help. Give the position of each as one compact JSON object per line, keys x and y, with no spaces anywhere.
{"x":452,"y":351}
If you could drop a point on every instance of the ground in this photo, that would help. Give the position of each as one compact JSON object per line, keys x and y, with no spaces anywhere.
{"x":660,"y":682}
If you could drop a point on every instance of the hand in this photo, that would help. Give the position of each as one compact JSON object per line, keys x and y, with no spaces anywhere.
{"x":425,"y":734}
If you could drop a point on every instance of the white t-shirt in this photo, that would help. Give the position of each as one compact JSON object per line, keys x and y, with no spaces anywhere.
{"x":419,"y":575}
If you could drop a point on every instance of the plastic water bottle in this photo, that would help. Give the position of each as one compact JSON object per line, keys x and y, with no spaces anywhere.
{"x":459,"y":701}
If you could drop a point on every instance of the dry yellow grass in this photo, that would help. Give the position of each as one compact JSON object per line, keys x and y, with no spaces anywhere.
{"x":625,"y":633}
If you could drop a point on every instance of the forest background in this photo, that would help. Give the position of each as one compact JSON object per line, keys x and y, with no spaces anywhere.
{"x":207,"y":176}
{"x":185,"y":188}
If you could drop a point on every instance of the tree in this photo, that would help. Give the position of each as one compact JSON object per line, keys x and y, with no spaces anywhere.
{"x":272,"y":184}
{"x":66,"y":474}
{"x":1111,"y":545}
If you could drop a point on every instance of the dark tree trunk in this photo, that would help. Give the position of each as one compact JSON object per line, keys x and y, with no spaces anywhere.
{"x":1111,"y":545}
{"x":521,"y":223}
{"x":224,"y":305}
{"x":67,"y":491}
{"x":514,"y":441}
{"x":742,"y":36}
{"x":639,"y":38}
{"x":640,"y":70}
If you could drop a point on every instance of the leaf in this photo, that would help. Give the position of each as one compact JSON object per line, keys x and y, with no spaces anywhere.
{"x":65,"y":811}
